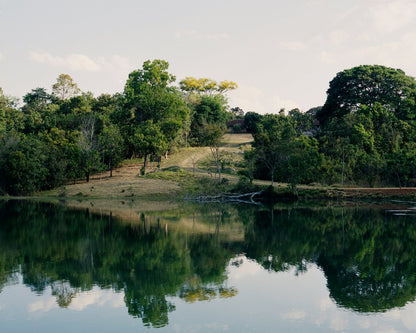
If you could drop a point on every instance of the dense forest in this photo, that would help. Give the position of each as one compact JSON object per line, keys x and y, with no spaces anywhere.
{"x":364,"y":134}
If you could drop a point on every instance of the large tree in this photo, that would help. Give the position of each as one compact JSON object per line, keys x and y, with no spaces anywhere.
{"x":367,"y":85}
{"x":149,"y":97}
{"x":368,"y":120}
{"x":65,"y":87}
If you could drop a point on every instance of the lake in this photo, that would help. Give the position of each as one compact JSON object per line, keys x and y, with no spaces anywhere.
{"x":208,"y":268}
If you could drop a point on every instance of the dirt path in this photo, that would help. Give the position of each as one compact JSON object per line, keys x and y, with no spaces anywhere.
{"x":127,"y":183}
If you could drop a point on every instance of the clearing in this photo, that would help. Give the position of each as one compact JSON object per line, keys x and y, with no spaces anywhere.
{"x":126,"y":182}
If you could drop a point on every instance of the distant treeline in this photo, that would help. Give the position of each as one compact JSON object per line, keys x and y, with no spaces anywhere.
{"x":364,"y":134}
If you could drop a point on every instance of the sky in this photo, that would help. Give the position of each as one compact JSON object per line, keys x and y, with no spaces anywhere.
{"x":281,"y":53}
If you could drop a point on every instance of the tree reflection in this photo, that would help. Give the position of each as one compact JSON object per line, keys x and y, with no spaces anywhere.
{"x":72,"y":251}
{"x":368,"y":256}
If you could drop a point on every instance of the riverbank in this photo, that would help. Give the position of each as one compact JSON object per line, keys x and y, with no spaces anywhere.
{"x":189,"y":172}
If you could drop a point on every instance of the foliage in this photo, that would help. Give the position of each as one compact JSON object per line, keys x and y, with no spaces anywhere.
{"x":206,"y":86}
{"x":366,"y":137}
{"x":209,"y":120}
{"x":149,"y":98}
{"x":368,"y":85}
{"x":65,"y":87}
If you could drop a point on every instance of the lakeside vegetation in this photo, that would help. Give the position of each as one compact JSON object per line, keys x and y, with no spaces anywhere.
{"x":363,"y":136}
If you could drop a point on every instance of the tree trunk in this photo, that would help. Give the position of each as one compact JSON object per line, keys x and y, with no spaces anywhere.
{"x":216,"y":155}
{"x":87,"y":175}
{"x":144,"y":164}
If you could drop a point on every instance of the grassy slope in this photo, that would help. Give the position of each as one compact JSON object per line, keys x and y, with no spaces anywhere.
{"x":126,"y":184}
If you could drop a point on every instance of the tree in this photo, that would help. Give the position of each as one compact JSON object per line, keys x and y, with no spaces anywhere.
{"x":87,"y":143}
{"x":251,"y":119}
{"x":272,"y":142}
{"x":367,"y":85}
{"x":37,"y":99}
{"x":148,"y":97}
{"x":237,"y":112}
{"x":148,"y":140}
{"x":213,"y":134}
{"x":111,"y":142}
{"x":39,"y":112}
{"x":206,"y":86}
{"x":11,"y":119}
{"x":65,"y":87}
{"x":304,"y":121}
{"x":303,"y":163}
{"x":211,"y":111}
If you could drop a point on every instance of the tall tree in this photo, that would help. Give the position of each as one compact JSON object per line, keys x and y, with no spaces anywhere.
{"x":65,"y":87}
{"x":111,"y":144}
{"x":367,"y":85}
{"x":272,"y":142}
{"x":148,"y":140}
{"x":210,"y":111}
{"x":149,"y":97}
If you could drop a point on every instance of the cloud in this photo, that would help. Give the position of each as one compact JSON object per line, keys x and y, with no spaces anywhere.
{"x":82,"y":62}
{"x":387,"y":330}
{"x":326,"y":304}
{"x":393,"y":15}
{"x":327,"y":57}
{"x":279,"y":103}
{"x":115,"y":62}
{"x":97,"y":297}
{"x":253,"y":99}
{"x":249,"y":99}
{"x":195,"y":34}
{"x":1,"y":56}
{"x":73,"y":61}
{"x":338,"y":323}
{"x":294,"y":315}
{"x":43,"y":305}
{"x":293,"y":45}
{"x":338,"y":37}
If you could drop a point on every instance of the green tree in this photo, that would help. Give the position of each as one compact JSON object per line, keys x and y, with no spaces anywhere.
{"x":368,"y":85}
{"x":65,"y":87}
{"x":210,"y":111}
{"x":251,"y":120}
{"x":111,"y":144}
{"x":11,"y":119}
{"x":148,"y":140}
{"x":88,"y":146}
{"x":149,"y":97}
{"x":39,"y":112}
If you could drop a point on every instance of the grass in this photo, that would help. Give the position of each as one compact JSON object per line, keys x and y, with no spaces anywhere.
{"x":190,"y":171}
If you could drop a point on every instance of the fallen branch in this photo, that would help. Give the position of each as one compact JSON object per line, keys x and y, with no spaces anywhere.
{"x":228,"y":197}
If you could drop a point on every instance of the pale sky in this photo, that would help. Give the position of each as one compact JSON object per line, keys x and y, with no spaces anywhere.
{"x":280,"y":53}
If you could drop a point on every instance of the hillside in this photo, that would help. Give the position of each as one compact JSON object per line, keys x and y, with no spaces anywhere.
{"x":126,"y":182}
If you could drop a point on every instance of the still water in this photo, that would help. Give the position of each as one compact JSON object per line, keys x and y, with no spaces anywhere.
{"x":208,"y":268}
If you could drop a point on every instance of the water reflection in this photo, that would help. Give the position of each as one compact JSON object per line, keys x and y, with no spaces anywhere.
{"x":367,"y":255}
